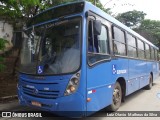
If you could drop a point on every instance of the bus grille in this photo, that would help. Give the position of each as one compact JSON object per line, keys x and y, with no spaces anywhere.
{"x":46,"y":94}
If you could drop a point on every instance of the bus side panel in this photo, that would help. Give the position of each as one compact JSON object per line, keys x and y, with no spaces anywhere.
{"x":158,"y":69}
{"x":99,"y":88}
{"x":133,"y":81}
{"x":143,"y":73}
{"x":101,"y":80}
{"x":155,"y":70}
{"x":138,"y":75}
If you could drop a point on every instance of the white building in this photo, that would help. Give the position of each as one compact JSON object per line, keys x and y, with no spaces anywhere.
{"x":6,"y":32}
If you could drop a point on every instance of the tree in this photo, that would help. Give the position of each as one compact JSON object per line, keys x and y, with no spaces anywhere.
{"x":20,"y":11}
{"x":131,"y":18}
{"x":98,"y":4}
{"x":2,"y":47}
{"x":150,"y":29}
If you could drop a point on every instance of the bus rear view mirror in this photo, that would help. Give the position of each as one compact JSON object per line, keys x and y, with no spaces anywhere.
{"x":97,"y":25}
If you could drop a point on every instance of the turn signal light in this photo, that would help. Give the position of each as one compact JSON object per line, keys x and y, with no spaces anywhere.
{"x":88,"y":99}
{"x":73,"y":84}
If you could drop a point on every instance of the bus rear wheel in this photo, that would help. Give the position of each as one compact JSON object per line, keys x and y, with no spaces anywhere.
{"x":117,"y":98}
{"x":149,"y":86}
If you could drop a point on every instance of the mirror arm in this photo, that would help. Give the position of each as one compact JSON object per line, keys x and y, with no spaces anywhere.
{"x":88,"y":13}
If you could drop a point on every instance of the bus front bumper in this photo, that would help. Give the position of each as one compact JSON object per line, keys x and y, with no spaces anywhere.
{"x":71,"y":105}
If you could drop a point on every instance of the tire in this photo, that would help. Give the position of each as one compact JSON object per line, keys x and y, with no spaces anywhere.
{"x":117,"y":98}
{"x":149,"y":86}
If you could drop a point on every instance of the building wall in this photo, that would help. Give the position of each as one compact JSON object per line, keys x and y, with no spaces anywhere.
{"x":6,"y":32}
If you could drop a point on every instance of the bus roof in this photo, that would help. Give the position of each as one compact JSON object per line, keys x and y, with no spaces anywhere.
{"x":90,"y":7}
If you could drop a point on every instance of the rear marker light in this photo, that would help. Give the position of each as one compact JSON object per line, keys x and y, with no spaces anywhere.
{"x":93,"y":91}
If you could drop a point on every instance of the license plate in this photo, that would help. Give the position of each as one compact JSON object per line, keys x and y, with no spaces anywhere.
{"x":36,"y":103}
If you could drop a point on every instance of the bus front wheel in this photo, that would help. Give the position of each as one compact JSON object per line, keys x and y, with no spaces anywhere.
{"x":117,"y":98}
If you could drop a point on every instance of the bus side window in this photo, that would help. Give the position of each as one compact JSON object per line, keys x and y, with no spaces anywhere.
{"x":119,"y":42}
{"x":98,"y":45}
{"x":102,"y":41}
{"x":132,"y":48}
{"x":156,"y":55}
{"x":90,"y":37}
{"x":147,"y":51}
{"x":141,"y":49}
{"x":152,"y":53}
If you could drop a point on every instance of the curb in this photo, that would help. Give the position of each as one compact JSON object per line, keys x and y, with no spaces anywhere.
{"x":8,"y":98}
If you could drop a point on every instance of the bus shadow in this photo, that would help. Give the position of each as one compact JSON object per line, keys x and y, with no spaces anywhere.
{"x":136,"y":94}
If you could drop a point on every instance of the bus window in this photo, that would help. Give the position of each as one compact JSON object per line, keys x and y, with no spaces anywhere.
{"x":147,"y":51}
{"x":91,"y":47}
{"x":119,"y":44}
{"x":132,"y":50}
{"x":59,"y":48}
{"x":152,"y":53}
{"x":140,"y":49}
{"x":103,"y":40}
{"x":156,"y":55}
{"x":98,"y":45}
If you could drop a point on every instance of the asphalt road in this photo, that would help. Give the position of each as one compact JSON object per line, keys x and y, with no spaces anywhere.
{"x":142,"y":100}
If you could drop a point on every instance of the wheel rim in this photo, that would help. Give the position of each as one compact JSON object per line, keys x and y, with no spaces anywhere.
{"x":116,"y":97}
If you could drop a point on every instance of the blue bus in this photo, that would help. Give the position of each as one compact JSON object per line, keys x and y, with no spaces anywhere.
{"x":77,"y":59}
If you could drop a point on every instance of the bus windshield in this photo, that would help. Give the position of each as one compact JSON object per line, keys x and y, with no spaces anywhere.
{"x":52,"y":48}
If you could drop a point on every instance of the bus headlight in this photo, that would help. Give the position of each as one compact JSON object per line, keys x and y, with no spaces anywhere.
{"x":73,"y":84}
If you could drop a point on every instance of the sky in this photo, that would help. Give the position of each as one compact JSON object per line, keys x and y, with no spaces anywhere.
{"x":150,"y":7}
